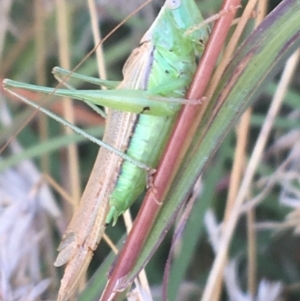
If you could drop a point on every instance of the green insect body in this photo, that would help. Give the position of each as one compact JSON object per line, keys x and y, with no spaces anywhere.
{"x":142,"y":111}
{"x":167,"y":60}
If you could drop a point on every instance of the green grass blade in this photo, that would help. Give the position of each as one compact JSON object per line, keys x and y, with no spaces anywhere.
{"x":194,"y":229}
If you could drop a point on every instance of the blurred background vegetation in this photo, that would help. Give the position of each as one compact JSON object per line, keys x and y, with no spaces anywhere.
{"x":30,"y":46}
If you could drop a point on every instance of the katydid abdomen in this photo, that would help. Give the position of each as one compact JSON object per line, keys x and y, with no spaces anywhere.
{"x":146,"y":146}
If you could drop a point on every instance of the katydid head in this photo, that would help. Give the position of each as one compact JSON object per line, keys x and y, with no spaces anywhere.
{"x":185,"y":16}
{"x":179,"y":27}
{"x":188,"y":19}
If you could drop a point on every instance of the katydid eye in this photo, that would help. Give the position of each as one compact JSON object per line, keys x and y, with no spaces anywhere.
{"x":173,"y":4}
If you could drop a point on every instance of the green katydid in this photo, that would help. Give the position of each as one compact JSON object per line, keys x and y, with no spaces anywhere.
{"x":143,"y":108}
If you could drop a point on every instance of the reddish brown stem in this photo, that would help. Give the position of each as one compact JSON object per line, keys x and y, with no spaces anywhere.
{"x":150,"y":207}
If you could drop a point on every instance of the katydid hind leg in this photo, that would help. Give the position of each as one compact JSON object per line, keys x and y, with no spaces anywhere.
{"x":134,"y":101}
{"x":128,"y":100}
